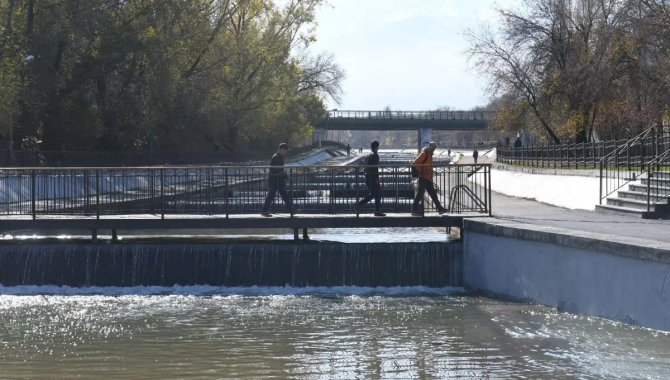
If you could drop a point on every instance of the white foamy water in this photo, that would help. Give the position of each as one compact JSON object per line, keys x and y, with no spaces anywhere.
{"x":227,"y":291}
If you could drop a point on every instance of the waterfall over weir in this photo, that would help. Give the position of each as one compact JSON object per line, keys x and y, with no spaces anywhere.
{"x":233,"y":265}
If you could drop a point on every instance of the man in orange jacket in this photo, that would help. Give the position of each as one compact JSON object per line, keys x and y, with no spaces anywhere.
{"x":424,"y":165}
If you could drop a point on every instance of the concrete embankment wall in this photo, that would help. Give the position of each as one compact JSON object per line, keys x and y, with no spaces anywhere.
{"x":232,"y":265}
{"x":623,"y":279}
{"x":572,"y":189}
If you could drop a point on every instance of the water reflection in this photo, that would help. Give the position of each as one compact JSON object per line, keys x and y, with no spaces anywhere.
{"x":214,"y":333}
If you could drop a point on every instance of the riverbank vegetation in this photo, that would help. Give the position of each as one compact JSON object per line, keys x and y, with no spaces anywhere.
{"x":577,"y":69}
{"x":161,"y":74}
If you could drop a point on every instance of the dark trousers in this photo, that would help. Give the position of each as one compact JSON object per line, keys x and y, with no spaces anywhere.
{"x":475,"y":157}
{"x":426,"y":185}
{"x":375,"y":190}
{"x":277,"y":187}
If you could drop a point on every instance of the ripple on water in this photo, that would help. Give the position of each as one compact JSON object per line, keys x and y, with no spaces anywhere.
{"x":251,"y":333}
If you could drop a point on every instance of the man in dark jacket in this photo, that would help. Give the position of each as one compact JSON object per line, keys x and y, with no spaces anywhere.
{"x":475,"y":155}
{"x":372,"y":180}
{"x":518,"y":143}
{"x":277,"y":180}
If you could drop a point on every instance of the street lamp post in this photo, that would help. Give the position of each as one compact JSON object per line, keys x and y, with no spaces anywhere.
{"x":25,"y":60}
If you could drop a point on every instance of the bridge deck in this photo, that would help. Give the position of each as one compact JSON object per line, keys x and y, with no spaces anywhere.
{"x":194,"y":222}
{"x":395,"y":120}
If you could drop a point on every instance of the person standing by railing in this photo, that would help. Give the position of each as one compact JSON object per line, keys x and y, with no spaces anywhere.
{"x":277,"y":180}
{"x":423,"y":169}
{"x":372,"y":180}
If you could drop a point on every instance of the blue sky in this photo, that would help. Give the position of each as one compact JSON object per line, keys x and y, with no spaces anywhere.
{"x":408,"y":54}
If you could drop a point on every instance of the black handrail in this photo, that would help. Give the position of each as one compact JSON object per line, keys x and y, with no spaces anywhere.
{"x":225,"y":191}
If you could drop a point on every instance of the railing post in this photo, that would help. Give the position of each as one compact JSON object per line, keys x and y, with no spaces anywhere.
{"x":227,"y":196}
{"x":162,"y":194}
{"x":593,"y":152}
{"x":332,"y":191}
{"x":553,"y":155}
{"x":600,"y":198}
{"x":649,"y":176}
{"x":628,"y":168}
{"x":357,"y":185}
{"x":490,"y":191}
{"x":290,"y":183}
{"x":97,"y":194}
{"x":33,"y":194}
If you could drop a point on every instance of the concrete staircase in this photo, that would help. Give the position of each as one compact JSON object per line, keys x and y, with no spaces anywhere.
{"x":633,"y":201}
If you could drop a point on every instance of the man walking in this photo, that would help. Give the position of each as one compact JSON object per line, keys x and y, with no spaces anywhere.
{"x":424,"y":166}
{"x":277,"y":180}
{"x":348,"y":150}
{"x":372,"y":180}
{"x":475,"y":155}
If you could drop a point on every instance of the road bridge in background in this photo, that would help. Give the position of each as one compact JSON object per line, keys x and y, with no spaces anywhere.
{"x":425,"y":122}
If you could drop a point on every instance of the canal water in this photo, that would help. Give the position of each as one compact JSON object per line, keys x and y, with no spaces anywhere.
{"x":289,"y":333}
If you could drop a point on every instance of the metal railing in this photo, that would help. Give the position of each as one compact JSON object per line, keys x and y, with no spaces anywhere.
{"x":408,"y":115}
{"x":226,"y":191}
{"x":575,"y":156}
{"x":630,"y":161}
{"x":659,"y":173}
{"x":23,"y":158}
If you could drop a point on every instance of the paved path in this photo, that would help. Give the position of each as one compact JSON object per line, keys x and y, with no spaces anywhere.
{"x":531,"y":212}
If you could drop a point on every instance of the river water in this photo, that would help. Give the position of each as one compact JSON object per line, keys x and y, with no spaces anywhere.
{"x":339,"y":333}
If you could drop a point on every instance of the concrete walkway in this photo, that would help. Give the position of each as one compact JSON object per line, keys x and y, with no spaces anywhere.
{"x":530,"y":212}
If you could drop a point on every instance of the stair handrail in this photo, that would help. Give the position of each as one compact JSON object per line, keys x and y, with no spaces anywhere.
{"x":469,"y":192}
{"x":658,"y":163}
{"x":612,"y":160}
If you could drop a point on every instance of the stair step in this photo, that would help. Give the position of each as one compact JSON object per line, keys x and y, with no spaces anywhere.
{"x":642,"y":196}
{"x":663,"y":191}
{"x":659,"y":182}
{"x":662,"y":175}
{"x":629,"y":203}
{"x":625,"y":211}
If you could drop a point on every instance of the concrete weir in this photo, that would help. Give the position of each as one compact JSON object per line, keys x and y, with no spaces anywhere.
{"x":601,"y":275}
{"x":233,"y":265}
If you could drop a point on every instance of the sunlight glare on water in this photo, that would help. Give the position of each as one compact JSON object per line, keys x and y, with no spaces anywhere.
{"x":357,"y":333}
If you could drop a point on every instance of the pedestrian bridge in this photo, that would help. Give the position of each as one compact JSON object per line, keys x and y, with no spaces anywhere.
{"x":406,"y":120}
{"x":170,"y":198}
{"x":425,"y":122}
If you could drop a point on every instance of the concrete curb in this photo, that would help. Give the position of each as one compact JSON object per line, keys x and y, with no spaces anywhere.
{"x":616,"y":245}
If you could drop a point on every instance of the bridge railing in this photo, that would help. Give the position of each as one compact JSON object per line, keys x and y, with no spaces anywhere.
{"x":230,"y":191}
{"x":408,"y":115}
{"x":24,"y":158}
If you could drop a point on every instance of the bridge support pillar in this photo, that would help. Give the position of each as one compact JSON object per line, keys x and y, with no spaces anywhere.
{"x":319,"y":135}
{"x":425,"y":137}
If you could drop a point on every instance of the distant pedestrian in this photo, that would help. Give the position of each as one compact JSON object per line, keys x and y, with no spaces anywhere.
{"x":348,"y":150}
{"x":277,"y":180}
{"x":518,"y":143}
{"x":449,"y":153}
{"x":475,"y":155}
{"x":424,"y":171}
{"x":372,"y":180}
{"x":507,"y":141}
